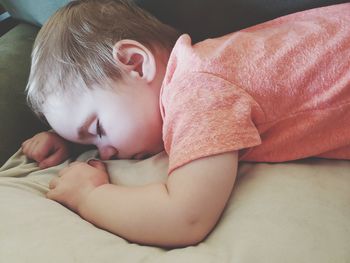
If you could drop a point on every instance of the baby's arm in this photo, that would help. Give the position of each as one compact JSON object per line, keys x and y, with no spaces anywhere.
{"x":179,"y":213}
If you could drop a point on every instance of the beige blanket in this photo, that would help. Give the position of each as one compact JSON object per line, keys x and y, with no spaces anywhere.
{"x":290,"y":212}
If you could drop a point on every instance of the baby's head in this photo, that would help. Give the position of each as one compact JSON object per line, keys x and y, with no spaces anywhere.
{"x":97,"y":68}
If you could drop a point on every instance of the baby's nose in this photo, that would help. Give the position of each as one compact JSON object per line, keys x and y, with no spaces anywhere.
{"x":108,"y":153}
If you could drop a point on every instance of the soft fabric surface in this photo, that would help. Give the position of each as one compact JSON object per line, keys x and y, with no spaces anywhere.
{"x":289,"y":212}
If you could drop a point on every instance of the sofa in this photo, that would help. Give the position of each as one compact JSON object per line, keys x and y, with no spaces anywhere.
{"x":201,"y":18}
{"x":289,"y":212}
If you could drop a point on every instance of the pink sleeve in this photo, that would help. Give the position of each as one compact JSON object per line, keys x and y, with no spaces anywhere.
{"x":206,"y":115}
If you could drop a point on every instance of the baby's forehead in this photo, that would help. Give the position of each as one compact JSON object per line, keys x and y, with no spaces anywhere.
{"x":76,"y":96}
{"x":67,"y":109}
{"x":67,"y":91}
{"x":56,"y":103}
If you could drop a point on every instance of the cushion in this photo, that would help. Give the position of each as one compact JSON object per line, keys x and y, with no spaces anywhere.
{"x":288,"y":212}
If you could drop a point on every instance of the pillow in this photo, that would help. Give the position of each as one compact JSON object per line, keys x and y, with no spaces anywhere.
{"x":288,"y":212}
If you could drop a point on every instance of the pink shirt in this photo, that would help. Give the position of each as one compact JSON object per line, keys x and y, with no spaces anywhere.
{"x":275,"y":92}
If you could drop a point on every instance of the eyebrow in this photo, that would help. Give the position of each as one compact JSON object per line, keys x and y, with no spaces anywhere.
{"x":83,"y":129}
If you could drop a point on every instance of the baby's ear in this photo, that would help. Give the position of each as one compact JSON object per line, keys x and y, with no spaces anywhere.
{"x":135,"y":59}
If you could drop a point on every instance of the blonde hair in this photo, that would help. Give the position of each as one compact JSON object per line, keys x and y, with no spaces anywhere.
{"x":76,"y":44}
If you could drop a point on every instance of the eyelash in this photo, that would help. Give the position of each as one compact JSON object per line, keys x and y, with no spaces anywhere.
{"x":98,"y":129}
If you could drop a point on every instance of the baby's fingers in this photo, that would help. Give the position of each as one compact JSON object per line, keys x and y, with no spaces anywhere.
{"x":53,"y":183}
{"x":26,"y":142}
{"x":55,"y":190}
{"x":54,"y":159}
{"x":37,"y":152}
{"x":29,"y":148}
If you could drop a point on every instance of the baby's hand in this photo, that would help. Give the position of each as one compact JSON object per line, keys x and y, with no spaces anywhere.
{"x":46,"y":148}
{"x":76,"y":182}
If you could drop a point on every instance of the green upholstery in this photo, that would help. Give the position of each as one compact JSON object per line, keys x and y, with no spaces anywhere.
{"x":17,"y":122}
{"x":33,"y":11}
